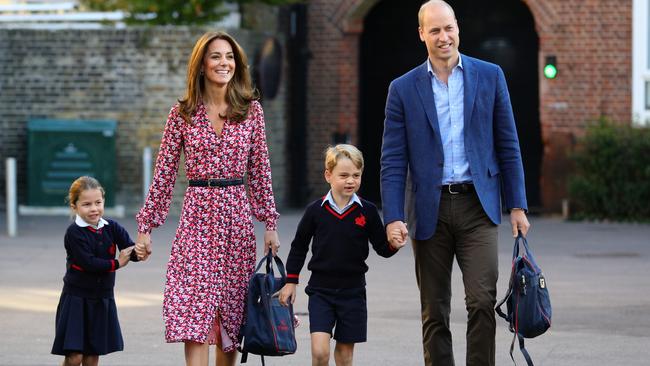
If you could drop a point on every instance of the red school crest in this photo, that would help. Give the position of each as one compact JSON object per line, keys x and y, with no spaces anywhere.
{"x":283,"y":326}
{"x":360,"y":220}
{"x":111,"y":249}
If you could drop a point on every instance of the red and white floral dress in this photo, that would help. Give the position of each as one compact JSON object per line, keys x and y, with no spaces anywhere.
{"x":213,"y":253}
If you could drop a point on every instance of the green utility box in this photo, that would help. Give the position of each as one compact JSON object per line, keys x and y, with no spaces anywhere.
{"x":60,"y":151}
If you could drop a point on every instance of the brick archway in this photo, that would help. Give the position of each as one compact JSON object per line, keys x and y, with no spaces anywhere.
{"x":333,"y":99}
{"x":333,"y":95}
{"x":594,"y":58}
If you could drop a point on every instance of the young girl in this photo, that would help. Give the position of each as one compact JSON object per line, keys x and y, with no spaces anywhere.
{"x":86,"y":317}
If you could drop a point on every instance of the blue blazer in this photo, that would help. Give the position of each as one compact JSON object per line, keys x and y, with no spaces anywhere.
{"x":412,"y":154}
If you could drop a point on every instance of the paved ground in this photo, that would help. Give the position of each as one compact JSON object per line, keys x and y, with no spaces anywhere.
{"x":598,"y":275}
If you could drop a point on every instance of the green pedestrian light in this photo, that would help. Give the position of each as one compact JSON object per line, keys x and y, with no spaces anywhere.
{"x":550,"y":71}
{"x":550,"y":68}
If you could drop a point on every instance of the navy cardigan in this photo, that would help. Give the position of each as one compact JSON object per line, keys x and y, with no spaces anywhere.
{"x":91,"y":262}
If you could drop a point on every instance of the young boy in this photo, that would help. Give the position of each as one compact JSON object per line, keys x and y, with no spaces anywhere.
{"x":339,"y":226}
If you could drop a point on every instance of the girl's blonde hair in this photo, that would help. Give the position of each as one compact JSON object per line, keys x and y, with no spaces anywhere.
{"x":239,"y":92}
{"x":334,"y":153}
{"x":81,"y":184}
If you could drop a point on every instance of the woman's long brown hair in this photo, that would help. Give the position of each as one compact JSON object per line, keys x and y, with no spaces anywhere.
{"x":239,"y":91}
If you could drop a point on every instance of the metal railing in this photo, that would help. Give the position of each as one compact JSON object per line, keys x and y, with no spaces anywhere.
{"x":55,"y":15}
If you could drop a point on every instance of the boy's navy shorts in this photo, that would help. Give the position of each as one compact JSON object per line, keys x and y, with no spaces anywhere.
{"x":343,"y":309}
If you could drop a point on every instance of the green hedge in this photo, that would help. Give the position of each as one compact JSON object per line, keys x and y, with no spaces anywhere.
{"x":612,"y":177}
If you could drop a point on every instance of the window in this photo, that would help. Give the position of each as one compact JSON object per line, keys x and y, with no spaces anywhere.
{"x":641,"y":62}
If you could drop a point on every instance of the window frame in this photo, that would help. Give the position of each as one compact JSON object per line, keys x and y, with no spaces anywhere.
{"x":640,"y":62}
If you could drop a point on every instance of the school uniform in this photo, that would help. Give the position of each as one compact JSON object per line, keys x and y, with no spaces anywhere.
{"x":86,"y":316}
{"x":339,"y":244}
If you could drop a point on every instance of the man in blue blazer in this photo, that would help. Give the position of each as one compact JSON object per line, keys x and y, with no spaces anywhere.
{"x":450,"y":146}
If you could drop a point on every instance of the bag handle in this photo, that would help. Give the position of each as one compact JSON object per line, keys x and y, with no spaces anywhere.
{"x":521,"y":241}
{"x":278,"y":263}
{"x":525,"y":253}
{"x":268,"y":260}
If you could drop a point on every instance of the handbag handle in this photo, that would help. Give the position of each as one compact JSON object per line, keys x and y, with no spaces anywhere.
{"x":521,"y":239}
{"x":268,"y":259}
{"x":527,"y":253}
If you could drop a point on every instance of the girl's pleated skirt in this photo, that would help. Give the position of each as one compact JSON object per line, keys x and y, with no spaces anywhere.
{"x":86,"y":325}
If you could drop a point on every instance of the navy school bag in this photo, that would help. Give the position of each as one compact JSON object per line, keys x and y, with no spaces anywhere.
{"x":527,"y":300}
{"x":268,"y":327}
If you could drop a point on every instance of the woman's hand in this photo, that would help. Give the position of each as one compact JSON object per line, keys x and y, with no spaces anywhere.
{"x":271,"y":241}
{"x":143,"y":246}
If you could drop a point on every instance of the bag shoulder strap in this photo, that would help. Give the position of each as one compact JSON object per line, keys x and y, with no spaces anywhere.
{"x":500,"y":304}
{"x":244,"y":358}
{"x":522,"y":348}
{"x":497,"y":308}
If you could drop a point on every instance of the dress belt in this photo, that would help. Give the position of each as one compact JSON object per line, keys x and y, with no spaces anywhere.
{"x":458,"y":188}
{"x":213,"y":182}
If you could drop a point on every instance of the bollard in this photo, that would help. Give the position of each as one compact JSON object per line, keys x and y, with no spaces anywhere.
{"x":565,"y":209}
{"x":12,"y":213}
{"x":146,"y":171}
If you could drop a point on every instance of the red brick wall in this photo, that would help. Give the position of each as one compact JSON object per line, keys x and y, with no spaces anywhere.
{"x":333,"y":81}
{"x":131,"y":75}
{"x":592,"y":42}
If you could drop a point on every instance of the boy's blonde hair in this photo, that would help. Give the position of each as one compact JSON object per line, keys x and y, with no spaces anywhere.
{"x":334,"y":153}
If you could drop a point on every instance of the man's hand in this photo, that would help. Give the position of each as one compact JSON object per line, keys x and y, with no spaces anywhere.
{"x":395,"y":239}
{"x":519,"y":222}
{"x":397,"y":230}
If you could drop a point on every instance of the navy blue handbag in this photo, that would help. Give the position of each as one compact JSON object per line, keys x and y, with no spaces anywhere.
{"x":527,"y":300}
{"x":268,"y":327}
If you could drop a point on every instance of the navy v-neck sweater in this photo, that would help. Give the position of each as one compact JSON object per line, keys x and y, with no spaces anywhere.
{"x":339,"y":244}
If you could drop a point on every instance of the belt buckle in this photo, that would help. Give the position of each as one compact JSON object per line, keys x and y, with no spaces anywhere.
{"x":450,"y":191}
{"x":212,"y":182}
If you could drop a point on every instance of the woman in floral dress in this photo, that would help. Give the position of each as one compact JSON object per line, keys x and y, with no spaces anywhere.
{"x":219,"y":126}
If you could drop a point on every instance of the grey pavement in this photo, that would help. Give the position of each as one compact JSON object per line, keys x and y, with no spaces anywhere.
{"x":597,"y":273}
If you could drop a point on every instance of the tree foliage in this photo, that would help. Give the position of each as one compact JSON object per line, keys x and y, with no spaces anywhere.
{"x":171,"y":12}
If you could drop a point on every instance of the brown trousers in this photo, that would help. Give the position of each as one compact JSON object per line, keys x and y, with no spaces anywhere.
{"x":463,"y":230}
